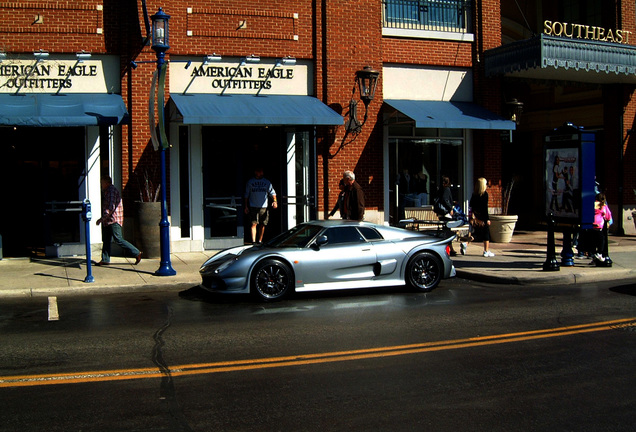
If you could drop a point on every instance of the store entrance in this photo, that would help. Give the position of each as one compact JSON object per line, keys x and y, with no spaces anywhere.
{"x":230,"y":155}
{"x":38,"y":168}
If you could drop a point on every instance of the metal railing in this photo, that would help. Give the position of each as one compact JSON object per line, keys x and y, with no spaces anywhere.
{"x":432,"y":15}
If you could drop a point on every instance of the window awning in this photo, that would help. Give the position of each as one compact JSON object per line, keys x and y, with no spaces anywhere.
{"x":450,"y":115}
{"x":211,"y":109}
{"x":555,"y":58}
{"x":81,"y":109}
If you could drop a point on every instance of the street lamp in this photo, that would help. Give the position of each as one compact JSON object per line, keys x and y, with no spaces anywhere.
{"x":160,"y":44}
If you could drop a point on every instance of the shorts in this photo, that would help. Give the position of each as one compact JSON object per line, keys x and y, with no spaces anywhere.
{"x":259,"y":216}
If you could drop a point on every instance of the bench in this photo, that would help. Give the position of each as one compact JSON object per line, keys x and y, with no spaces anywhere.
{"x":422,"y":219}
{"x":425,"y":219}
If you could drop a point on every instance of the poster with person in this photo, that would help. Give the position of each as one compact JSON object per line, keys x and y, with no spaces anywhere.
{"x":561,"y":180}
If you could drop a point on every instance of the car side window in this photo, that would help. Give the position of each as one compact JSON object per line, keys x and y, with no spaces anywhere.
{"x":341,"y":235}
{"x":369,"y":233}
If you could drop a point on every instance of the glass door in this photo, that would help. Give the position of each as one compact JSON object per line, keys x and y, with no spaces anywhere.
{"x":298,"y":198}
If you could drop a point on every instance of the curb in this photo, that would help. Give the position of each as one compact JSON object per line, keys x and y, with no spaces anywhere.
{"x":92,"y":290}
{"x":549,"y":278}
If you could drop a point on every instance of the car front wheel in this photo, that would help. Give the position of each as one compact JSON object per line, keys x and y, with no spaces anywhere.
{"x":424,"y":272}
{"x":271,"y":279}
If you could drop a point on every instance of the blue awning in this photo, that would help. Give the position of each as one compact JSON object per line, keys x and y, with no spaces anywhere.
{"x":211,"y":109}
{"x":554,"y":58}
{"x":82,"y":109}
{"x":450,"y":115}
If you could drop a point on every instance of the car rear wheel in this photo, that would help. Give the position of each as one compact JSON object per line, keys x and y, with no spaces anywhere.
{"x":271,"y":279}
{"x":424,"y":271}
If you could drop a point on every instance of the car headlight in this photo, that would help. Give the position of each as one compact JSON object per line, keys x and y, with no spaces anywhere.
{"x":225,"y":265}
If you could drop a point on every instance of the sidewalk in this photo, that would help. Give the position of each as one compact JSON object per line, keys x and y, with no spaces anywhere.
{"x":519,"y":263}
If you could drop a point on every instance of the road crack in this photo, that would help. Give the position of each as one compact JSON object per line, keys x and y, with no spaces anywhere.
{"x":167,"y":393}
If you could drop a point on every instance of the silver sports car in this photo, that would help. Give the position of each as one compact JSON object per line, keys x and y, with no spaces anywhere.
{"x":329,"y":255}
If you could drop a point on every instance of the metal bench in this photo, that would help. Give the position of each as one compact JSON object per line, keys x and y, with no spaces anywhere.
{"x":425,"y":219}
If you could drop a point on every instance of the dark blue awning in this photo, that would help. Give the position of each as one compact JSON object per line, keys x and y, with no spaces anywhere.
{"x":211,"y":109}
{"x":82,"y":109}
{"x":556,"y":58}
{"x":450,"y":115}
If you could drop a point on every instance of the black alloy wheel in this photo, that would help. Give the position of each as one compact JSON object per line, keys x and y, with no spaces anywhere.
{"x":424,"y":272}
{"x":271,"y":280}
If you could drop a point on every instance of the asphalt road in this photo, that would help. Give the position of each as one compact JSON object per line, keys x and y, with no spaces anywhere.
{"x":465,"y":357}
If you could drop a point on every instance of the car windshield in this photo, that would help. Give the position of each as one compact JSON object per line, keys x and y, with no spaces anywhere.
{"x":299,"y":236}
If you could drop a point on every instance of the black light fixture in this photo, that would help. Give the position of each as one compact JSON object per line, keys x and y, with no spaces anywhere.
{"x":367,"y":80}
{"x":515,"y":108}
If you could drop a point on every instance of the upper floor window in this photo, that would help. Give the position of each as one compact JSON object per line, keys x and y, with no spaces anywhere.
{"x":431,"y":15}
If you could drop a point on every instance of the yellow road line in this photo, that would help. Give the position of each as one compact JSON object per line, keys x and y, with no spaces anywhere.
{"x":302,"y":359}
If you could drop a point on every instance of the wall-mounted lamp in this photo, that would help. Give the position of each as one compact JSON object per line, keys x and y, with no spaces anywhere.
{"x":286,"y":61}
{"x":41,"y":55}
{"x":366,"y":81}
{"x":515,"y":109}
{"x":83,"y":55}
{"x":252,"y":59}
{"x":211,"y":58}
{"x":3,"y":56}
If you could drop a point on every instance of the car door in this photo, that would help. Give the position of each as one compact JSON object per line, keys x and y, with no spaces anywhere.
{"x":346,"y":261}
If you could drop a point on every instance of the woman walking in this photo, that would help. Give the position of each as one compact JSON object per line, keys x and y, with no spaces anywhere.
{"x":479,"y":215}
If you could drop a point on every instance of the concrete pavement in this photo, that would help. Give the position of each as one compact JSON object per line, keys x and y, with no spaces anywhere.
{"x":519,"y":262}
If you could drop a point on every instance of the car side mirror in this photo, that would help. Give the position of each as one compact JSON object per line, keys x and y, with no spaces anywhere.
{"x":321,"y":241}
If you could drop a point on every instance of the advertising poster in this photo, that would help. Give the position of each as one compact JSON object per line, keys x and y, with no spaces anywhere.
{"x":562,"y":182}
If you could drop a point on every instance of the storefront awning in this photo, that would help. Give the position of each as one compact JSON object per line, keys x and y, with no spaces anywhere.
{"x":45,"y":110}
{"x":450,"y":115}
{"x":555,"y":58}
{"x":211,"y":109}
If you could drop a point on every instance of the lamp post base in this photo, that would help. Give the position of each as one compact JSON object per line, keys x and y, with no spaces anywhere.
{"x":165,"y":269}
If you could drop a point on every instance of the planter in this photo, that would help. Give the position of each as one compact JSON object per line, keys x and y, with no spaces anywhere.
{"x":147,"y":237}
{"x":502,"y":227}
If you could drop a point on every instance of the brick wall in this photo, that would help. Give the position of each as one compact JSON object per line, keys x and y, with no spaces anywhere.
{"x":352,"y":39}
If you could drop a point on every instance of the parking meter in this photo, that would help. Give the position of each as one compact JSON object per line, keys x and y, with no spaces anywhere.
{"x":87,"y":215}
{"x":86,"y":211}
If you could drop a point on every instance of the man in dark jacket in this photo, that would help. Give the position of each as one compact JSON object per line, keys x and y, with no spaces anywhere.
{"x":354,"y":197}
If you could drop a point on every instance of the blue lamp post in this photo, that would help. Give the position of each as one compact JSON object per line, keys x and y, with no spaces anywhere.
{"x":160,"y":46}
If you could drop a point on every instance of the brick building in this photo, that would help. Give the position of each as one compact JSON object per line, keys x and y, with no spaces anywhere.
{"x":270,"y":83}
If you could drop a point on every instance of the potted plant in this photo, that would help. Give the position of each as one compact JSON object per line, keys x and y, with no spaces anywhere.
{"x":502,"y":225}
{"x":148,"y":215}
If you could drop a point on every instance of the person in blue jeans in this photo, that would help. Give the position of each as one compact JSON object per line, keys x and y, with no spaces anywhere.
{"x":112,"y":221}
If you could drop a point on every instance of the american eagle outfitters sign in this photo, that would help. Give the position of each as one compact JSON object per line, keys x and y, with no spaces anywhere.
{"x":52,"y":76}
{"x":235,"y":78}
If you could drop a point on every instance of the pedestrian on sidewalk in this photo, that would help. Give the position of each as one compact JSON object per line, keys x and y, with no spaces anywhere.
{"x":444,"y":208}
{"x":479,"y":218}
{"x":353,"y":197}
{"x":112,"y":221}
{"x":258,"y":193}
{"x":602,"y":218}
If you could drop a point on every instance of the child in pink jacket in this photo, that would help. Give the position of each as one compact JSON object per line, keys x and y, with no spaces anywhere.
{"x":602,"y":214}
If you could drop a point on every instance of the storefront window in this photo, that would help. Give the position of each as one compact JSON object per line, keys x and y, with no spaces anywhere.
{"x":417,"y":163}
